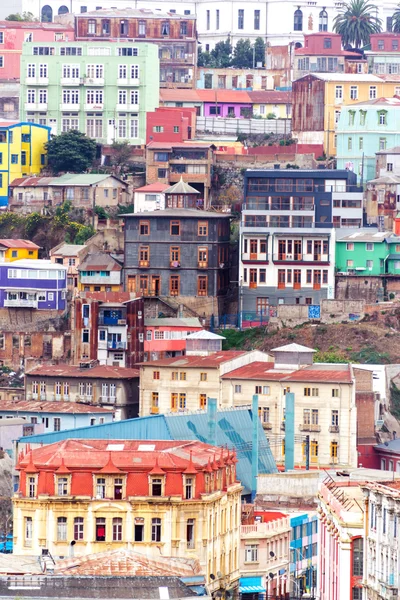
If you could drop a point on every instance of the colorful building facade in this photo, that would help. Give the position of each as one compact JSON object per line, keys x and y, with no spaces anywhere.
{"x":11,"y":250}
{"x":304,"y":552}
{"x":22,"y":152}
{"x":166,"y":337}
{"x":36,"y":284}
{"x":135,"y":495}
{"x":104,"y":91}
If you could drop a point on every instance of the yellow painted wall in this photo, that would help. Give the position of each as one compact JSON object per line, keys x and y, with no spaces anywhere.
{"x":12,"y":150}
{"x":383,"y":89}
{"x":21,"y":253}
{"x":280,"y":110}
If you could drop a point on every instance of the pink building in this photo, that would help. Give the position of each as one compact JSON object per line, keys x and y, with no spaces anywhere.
{"x":264,"y":552}
{"x":14,"y":33}
{"x":166,"y":337}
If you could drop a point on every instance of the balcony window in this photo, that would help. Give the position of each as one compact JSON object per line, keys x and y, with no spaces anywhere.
{"x":78,"y":529}
{"x":142,"y":29}
{"x":117,"y":529}
{"x":62,"y":529}
{"x":91,"y":27}
{"x":190,"y":540}
{"x":298,"y":20}
{"x":100,"y":529}
{"x":156,"y":530}
{"x":165,"y":28}
{"x":123,"y":28}
{"x":100,"y":487}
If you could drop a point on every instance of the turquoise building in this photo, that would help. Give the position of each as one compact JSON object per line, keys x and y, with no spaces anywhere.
{"x":103,"y":89}
{"x":363,"y":129}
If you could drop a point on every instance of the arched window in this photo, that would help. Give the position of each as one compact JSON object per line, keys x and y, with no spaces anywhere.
{"x":63,"y":10}
{"x":323,"y":20}
{"x":298,"y":20}
{"x":47,"y":14}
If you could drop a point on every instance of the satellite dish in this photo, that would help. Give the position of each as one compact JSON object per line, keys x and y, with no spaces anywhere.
{"x":212,"y":576}
{"x":272,"y":554}
{"x":271,"y":575}
{"x":219,"y":574}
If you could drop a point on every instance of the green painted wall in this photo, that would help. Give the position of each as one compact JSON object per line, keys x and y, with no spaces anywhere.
{"x":90,"y":66}
{"x":360,"y":255}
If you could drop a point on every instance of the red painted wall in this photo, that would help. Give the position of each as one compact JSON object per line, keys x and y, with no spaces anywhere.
{"x":167,"y":345}
{"x":168,"y":118}
{"x":314,"y":44}
{"x":387,"y":38}
{"x":15,"y":36}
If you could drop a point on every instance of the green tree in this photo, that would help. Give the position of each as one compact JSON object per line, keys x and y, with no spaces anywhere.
{"x":25,"y":16}
{"x":243,"y":55}
{"x":355,"y":22}
{"x":204,"y":59}
{"x":70,"y":151}
{"x":221,"y":54}
{"x":259,"y":51}
{"x":121,"y":154}
{"x":396,"y":19}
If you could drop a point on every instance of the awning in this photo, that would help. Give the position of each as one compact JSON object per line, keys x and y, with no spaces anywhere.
{"x":251,"y":585}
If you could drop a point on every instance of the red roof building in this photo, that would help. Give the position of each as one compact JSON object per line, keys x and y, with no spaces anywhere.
{"x":169,"y":124}
{"x":177,"y":498}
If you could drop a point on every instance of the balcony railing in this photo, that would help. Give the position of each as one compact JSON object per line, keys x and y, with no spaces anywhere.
{"x":21,"y":303}
{"x":144,"y":263}
{"x":334,"y":429}
{"x":309,"y":427}
{"x":175,"y":264}
{"x":116,"y":345}
{"x":111,"y":320}
{"x":202,"y":264}
{"x":108,"y":399}
{"x":293,"y":257}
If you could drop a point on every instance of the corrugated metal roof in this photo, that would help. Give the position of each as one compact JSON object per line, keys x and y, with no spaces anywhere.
{"x":181,"y":187}
{"x":18,"y":243}
{"x":135,"y":12}
{"x":81,"y":179}
{"x":67,"y":249}
{"x":231,"y":96}
{"x":234,"y":429}
{"x":182,"y":213}
{"x":270,"y":97}
{"x":205,"y":335}
{"x":173,"y":322}
{"x":293,"y":348}
{"x":98,"y":372}
{"x":99,"y":262}
{"x":152,"y":187}
{"x":212,"y":361}
{"x":34,"y":406}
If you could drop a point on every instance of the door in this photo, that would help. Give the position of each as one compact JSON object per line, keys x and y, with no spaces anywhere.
{"x":110,"y":131}
{"x":155,"y":285}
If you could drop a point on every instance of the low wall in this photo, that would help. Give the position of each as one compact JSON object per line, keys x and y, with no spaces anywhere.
{"x":331,"y":311}
{"x":290,"y":487}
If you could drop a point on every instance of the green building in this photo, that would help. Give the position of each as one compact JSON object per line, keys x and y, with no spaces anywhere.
{"x":367,"y":265}
{"x":103,"y":89}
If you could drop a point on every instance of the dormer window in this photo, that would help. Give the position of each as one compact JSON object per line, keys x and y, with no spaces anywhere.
{"x":62,"y":486}
{"x":327,"y":43}
{"x":156,"y":486}
{"x":118,"y":487}
{"x":31,"y":486}
{"x":189,"y":488}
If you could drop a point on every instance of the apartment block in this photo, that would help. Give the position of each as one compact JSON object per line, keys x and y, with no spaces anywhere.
{"x":287,"y":235}
{"x":103,"y":90}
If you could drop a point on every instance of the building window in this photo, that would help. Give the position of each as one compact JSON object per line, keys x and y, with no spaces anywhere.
{"x":323,"y":22}
{"x":62,"y":486}
{"x":382,"y":118}
{"x":202,"y":228}
{"x":156,"y":374}
{"x":334,"y":449}
{"x":349,"y":143}
{"x":327,"y":43}
{"x":251,"y":553}
{"x":100,"y":487}
{"x":144,"y":228}
{"x":62,"y":529}
{"x":32,"y":487}
{"x":203,"y":376}
{"x":154,"y":402}
{"x":165,"y":28}
{"x":156,"y":530}
{"x":28,"y":531}
{"x":57,"y":424}
{"x":203,"y":401}
{"x":202,"y":285}
{"x":238,"y":389}
{"x":353,"y":92}
{"x":78,"y":529}
{"x":358,"y":557}
{"x":156,"y":487}
{"x":100,"y":529}
{"x":361,"y":143}
{"x":174,"y":285}
{"x":382,"y":143}
{"x":257,"y":19}
{"x":182,"y":401}
{"x":190,"y":540}
{"x":372,"y":92}
{"x":139,"y":532}
{"x":117,"y":529}
{"x":298,"y":20}
{"x":175,"y":227}
{"x":369,"y":246}
{"x":314,"y":450}
{"x":189,"y":488}
{"x":357,"y":593}
{"x":208,"y":23}
{"x":241,"y":18}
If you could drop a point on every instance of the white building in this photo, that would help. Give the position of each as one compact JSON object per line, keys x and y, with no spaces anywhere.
{"x":150,"y":197}
{"x":382,"y":545}
{"x":277,"y":21}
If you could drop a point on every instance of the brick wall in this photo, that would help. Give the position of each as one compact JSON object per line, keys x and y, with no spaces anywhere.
{"x":365,"y":402}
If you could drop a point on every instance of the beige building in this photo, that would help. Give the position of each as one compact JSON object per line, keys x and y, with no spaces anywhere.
{"x":105,"y":385}
{"x":185,"y":382}
{"x":70,"y":256}
{"x":174,"y":498}
{"x":325,"y":407}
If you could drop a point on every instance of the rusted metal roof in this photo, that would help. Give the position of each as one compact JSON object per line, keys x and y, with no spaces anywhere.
{"x":127,"y":563}
{"x":99,"y":262}
{"x":192,"y":362}
{"x":98,"y":372}
{"x":270,"y":97}
{"x":218,"y":95}
{"x":317,"y":373}
{"x":18,"y":243}
{"x":34,"y":406}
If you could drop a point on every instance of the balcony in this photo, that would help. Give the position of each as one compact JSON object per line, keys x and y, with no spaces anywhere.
{"x":202,"y":265}
{"x":19,"y":303}
{"x":265,"y":530}
{"x":70,"y":107}
{"x":127,"y":107}
{"x":110,"y":320}
{"x":306,"y":258}
{"x":97,"y":81}
{"x":107,"y":399}
{"x":144,"y":264}
{"x":71,"y":81}
{"x":113,"y":279}
{"x":134,"y":82}
{"x":36,"y":80}
{"x":111,"y":345}
{"x":32,"y":106}
{"x":334,"y":429}
{"x":309,"y":427}
{"x":175,"y":264}
{"x":94,"y":106}
{"x":267,"y":425}
{"x":154,"y":410}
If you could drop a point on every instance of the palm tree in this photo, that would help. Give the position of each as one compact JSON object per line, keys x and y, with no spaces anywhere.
{"x":396,"y":20}
{"x":356,"y":21}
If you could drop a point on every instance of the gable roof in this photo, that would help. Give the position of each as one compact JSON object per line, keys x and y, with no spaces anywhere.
{"x":153,"y":187}
{"x":18,"y":243}
{"x":82,"y":179}
{"x":65,"y":249}
{"x":293,"y":348}
{"x":98,"y":372}
{"x":181,"y":187}
{"x":98,"y":261}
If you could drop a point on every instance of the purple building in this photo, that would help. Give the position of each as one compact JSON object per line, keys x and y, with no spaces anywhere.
{"x":226,"y":103}
{"x":30,"y":283}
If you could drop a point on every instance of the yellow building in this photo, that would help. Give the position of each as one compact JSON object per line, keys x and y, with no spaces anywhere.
{"x":17,"y":249}
{"x":22,"y":152}
{"x":174,"y":498}
{"x":270,"y":102}
{"x":99,"y":272}
{"x":318,"y":100}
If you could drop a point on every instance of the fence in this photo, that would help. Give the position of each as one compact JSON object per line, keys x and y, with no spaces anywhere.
{"x":235,"y":126}
{"x":245,"y":320}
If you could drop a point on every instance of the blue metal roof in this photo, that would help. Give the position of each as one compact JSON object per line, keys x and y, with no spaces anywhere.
{"x":234,"y":428}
